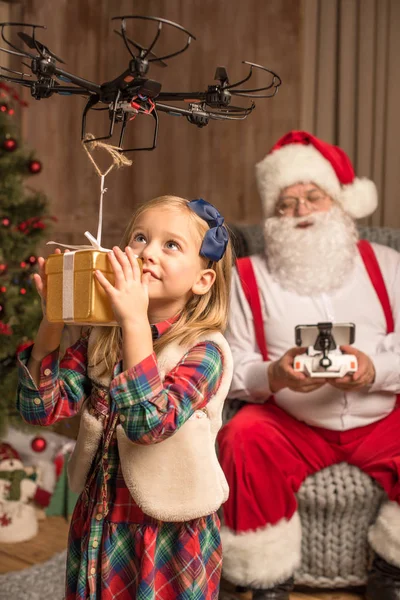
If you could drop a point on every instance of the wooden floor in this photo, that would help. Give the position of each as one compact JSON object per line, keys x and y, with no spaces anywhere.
{"x":52,"y":538}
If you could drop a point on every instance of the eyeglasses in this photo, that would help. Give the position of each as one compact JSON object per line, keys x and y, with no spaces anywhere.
{"x":289,"y":204}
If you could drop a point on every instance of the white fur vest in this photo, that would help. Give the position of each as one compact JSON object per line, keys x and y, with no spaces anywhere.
{"x":178,"y":479}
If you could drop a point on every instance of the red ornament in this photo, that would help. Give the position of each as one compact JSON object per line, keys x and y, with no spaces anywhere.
{"x":3,"y":107}
{"x":35,"y":166}
{"x":5,"y":222}
{"x":32,"y":259}
{"x":11,"y":111}
{"x":9,"y":144}
{"x":3,"y":268}
{"x":3,"y":289}
{"x":5,"y":329}
{"x":38,"y":444}
{"x":22,"y":291}
{"x":22,"y":264}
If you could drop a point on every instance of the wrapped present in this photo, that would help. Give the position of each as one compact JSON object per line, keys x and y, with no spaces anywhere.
{"x":73,"y":293}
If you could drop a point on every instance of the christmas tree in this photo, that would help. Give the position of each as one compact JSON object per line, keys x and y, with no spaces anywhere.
{"x":23,"y":222}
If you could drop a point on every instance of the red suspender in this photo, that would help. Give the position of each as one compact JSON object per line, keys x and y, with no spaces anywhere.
{"x":250,"y":289}
{"x":375,"y":275}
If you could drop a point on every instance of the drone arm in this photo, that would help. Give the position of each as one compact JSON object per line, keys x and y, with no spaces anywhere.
{"x":174,"y":110}
{"x":64,"y":89}
{"x":94,"y":88}
{"x":19,"y":80}
{"x":182,"y":96}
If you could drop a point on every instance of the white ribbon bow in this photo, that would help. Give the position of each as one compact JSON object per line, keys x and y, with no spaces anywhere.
{"x":95,"y":243}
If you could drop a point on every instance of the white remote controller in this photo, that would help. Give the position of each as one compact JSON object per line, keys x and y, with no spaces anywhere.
{"x":340,"y":365}
{"x":323,"y":357}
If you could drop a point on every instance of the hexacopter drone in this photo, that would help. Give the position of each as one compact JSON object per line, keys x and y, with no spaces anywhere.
{"x":132,"y":93}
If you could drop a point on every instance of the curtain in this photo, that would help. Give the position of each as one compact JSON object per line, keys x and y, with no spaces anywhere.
{"x":351,"y":89}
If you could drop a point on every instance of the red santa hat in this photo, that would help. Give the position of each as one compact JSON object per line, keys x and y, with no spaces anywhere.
{"x":7,"y":452}
{"x":299,"y":157}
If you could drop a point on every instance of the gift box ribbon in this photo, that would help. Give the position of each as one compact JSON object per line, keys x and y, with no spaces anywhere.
{"x":69,"y":261}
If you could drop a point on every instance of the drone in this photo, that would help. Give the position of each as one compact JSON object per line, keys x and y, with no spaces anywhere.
{"x":132,"y":93}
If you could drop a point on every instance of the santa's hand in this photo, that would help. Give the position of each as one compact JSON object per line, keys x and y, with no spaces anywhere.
{"x":365,"y":374}
{"x":282,"y":375}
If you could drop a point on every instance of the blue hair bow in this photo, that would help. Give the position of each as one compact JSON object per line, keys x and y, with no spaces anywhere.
{"x":216,"y":239}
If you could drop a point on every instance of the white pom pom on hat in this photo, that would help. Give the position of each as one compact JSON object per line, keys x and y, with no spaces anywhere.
{"x":300,"y":157}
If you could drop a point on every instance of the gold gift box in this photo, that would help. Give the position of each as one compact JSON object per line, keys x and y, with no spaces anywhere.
{"x":89,"y":300}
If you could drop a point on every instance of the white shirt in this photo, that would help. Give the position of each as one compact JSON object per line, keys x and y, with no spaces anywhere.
{"x":355,"y":302}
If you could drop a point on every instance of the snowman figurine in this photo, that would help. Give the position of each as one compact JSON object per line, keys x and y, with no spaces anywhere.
{"x":18,"y":520}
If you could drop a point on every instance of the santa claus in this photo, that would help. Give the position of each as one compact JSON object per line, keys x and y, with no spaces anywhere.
{"x":313,"y":270}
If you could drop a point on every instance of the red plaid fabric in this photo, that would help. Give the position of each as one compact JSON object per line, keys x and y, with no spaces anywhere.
{"x":115,"y":551}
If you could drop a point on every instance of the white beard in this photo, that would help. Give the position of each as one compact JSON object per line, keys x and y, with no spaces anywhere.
{"x":315,"y":259}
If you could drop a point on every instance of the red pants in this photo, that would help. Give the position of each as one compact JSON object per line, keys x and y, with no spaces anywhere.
{"x":266,"y":455}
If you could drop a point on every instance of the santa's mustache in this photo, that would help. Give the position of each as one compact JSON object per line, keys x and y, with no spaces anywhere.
{"x":318,"y":219}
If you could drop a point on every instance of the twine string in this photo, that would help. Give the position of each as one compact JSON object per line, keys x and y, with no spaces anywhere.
{"x":118,"y":160}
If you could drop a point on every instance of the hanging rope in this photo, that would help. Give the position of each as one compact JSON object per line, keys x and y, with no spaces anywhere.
{"x":118,"y":160}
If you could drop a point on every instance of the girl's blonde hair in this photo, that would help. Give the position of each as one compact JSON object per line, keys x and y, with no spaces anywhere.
{"x":200,"y":315}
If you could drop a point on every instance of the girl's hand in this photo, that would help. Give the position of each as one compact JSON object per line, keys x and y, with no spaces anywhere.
{"x":40,"y":280}
{"x":129,"y":295}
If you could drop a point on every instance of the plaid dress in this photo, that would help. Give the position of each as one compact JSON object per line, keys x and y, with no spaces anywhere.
{"x":115,"y":551}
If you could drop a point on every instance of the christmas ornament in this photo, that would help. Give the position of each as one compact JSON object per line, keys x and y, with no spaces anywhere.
{"x":3,"y":107}
{"x":5,"y":329}
{"x":38,"y":444}
{"x":32,"y":260}
{"x":22,"y":291}
{"x":10,"y":144}
{"x":3,"y":289}
{"x":5,"y":222}
{"x":3,"y":268}
{"x":35,"y":166}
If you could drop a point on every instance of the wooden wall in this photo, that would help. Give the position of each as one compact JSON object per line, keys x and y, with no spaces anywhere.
{"x":216,"y":162}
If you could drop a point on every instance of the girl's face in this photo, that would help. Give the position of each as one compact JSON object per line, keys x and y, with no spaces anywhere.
{"x":167,"y":241}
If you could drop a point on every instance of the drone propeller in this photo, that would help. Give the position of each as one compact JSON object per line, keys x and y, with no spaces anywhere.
{"x":221,"y":75}
{"x":141,"y":48}
{"x":32,"y":43}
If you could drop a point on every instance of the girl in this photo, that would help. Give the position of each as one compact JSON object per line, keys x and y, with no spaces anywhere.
{"x":151,"y":393}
